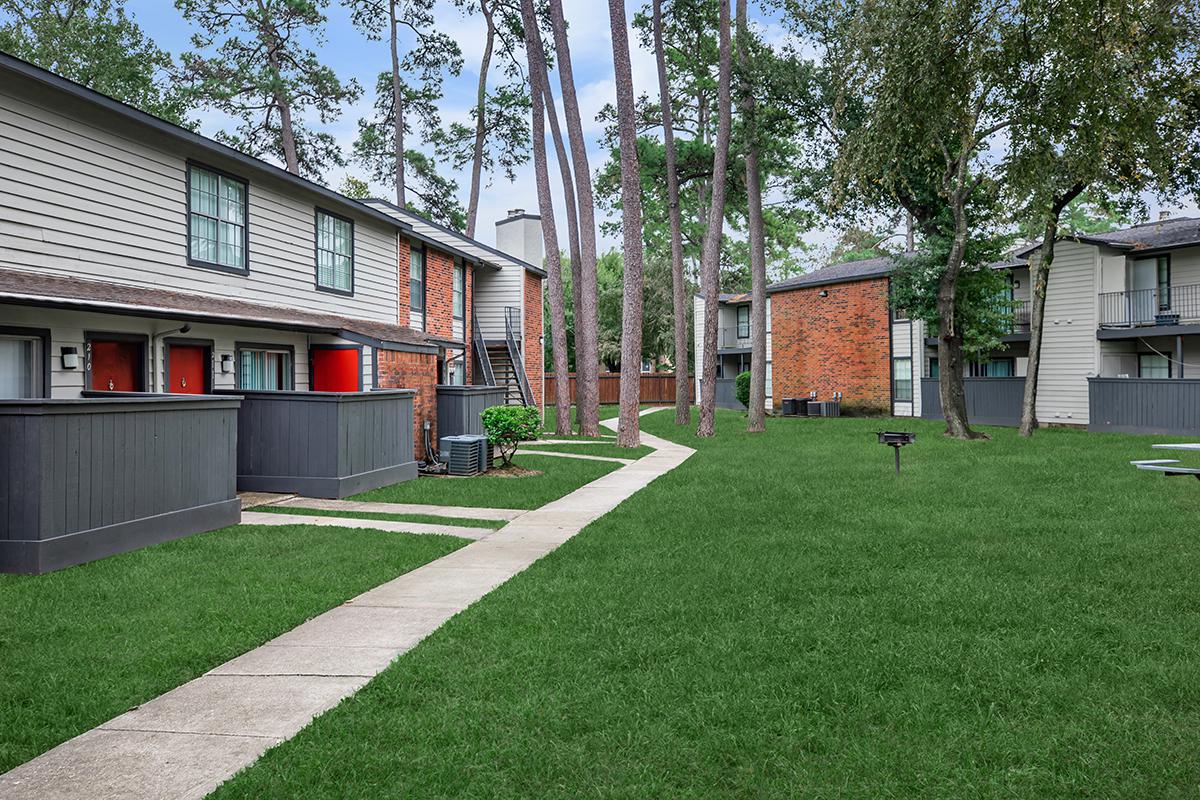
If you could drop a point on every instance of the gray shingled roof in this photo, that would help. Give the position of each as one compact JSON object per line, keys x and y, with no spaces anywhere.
{"x":1154,"y":235}
{"x":1160,"y":235}
{"x":845,"y":272}
{"x":38,"y":289}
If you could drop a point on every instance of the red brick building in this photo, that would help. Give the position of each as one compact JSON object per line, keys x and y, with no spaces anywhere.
{"x":831,"y":334}
{"x":465,"y":297}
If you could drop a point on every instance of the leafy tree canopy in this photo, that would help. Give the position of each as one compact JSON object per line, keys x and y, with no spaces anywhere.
{"x":254,"y":62}
{"x":97,"y":44}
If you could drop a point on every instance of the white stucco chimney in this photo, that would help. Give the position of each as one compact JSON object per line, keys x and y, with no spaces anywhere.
{"x":520,"y":235}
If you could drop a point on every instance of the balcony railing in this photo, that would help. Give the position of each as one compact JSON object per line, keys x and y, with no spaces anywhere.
{"x":1018,"y":311}
{"x":728,"y":337}
{"x":1020,"y":316}
{"x":1169,"y":305}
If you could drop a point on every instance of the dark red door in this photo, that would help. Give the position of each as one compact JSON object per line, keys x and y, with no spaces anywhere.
{"x":117,"y":366}
{"x":336,"y":370}
{"x":188,"y":368}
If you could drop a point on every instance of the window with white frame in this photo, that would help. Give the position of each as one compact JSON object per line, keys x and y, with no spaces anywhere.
{"x":21,"y":373}
{"x":265,"y":369}
{"x":217,"y":233}
{"x":743,"y":322}
{"x":902,"y":379}
{"x":416,"y":280}
{"x":460,"y":289}
{"x":335,"y":253}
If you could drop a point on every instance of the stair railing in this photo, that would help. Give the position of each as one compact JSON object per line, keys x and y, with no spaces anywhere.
{"x":481,"y":354}
{"x":512,"y":325}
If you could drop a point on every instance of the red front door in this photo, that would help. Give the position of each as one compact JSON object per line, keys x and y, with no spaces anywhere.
{"x":117,"y":366}
{"x":336,"y":370}
{"x":188,"y":369}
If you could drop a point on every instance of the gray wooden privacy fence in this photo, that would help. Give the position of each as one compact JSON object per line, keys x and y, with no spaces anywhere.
{"x":727,"y":394}
{"x":459,"y":408}
{"x":324,"y":444}
{"x":1144,"y":405}
{"x":990,"y":401}
{"x":87,"y":478}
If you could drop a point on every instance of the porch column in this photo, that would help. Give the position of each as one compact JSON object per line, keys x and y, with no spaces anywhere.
{"x":1179,"y":354}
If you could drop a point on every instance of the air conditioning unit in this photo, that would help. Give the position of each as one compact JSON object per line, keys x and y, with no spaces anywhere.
{"x":826,"y":408}
{"x":464,"y":455}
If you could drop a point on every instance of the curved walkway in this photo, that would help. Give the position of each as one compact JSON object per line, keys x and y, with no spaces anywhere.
{"x":184,"y":743}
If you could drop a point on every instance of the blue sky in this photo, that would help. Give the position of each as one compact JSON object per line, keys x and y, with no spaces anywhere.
{"x":353,"y":56}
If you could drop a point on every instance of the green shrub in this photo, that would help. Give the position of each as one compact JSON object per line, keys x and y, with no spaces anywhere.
{"x":508,"y":426}
{"x":742,"y":389}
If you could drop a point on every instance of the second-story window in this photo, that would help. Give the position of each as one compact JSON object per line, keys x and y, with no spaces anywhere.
{"x":335,"y":253}
{"x":743,"y":322}
{"x":416,"y":280}
{"x":460,"y":289}
{"x":217,"y":231}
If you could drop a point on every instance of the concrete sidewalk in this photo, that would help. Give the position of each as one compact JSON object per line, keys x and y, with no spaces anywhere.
{"x":390,"y":525}
{"x":186,"y":742}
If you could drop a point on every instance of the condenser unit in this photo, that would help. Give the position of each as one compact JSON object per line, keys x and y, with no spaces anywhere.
{"x":464,"y":455}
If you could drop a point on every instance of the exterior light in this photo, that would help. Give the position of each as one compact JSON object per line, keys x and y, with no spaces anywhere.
{"x":823,"y":293}
{"x":70,"y":358}
{"x":226,"y":363}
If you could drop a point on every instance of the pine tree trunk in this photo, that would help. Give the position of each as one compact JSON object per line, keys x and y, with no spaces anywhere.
{"x":480,"y":118}
{"x":710,"y":252}
{"x":756,"y":422}
{"x":950,"y":359}
{"x":558,"y":328}
{"x":1037,"y":310}
{"x":628,"y":433}
{"x":287,"y":135}
{"x":683,"y":389}
{"x":564,"y":170}
{"x":397,"y":107}
{"x":587,"y":354}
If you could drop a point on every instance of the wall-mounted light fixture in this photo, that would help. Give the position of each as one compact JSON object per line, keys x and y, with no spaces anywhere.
{"x":1016,"y":284}
{"x":70,"y":358}
{"x":823,"y":293}
{"x":226,"y":363}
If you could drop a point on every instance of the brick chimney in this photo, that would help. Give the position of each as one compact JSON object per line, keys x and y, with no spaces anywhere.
{"x":520,"y":235}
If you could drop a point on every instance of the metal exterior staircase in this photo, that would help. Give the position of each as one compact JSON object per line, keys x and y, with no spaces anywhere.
{"x":500,"y":363}
{"x":512,"y":334}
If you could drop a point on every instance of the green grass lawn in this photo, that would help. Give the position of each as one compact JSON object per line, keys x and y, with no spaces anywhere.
{"x":80,"y":646}
{"x":558,"y":477}
{"x":606,"y":449}
{"x":783,"y":617}
{"x":606,"y":412}
{"x":423,"y":518}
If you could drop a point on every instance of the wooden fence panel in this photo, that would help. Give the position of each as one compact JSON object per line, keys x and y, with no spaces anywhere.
{"x":658,"y":387}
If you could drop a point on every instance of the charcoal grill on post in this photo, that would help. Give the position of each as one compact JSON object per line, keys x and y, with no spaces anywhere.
{"x":896,"y":440}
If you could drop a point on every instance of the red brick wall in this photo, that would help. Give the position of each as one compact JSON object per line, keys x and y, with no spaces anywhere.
{"x":468,"y":295}
{"x":838,"y":343}
{"x":439,"y":294}
{"x":534,"y":362}
{"x":399,"y":370}
{"x":402,"y":278}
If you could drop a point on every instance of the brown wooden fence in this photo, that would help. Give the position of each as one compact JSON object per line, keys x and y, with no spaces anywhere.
{"x":658,"y":387}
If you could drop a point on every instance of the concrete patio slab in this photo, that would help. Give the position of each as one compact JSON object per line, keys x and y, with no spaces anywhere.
{"x":133,"y":765}
{"x":186,"y":742}
{"x":461,"y":512}
{"x":269,"y":518}
{"x":237,"y":705}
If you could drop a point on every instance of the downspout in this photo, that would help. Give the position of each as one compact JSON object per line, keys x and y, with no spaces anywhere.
{"x":155,"y":377}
